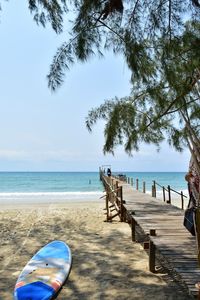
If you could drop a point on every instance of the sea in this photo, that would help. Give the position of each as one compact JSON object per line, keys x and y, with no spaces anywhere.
{"x":39,"y":187}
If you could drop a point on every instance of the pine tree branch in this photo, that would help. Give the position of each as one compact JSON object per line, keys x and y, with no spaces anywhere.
{"x":60,"y":53}
{"x":169,"y":19}
{"x":133,"y":12}
{"x":109,"y":28}
{"x":179,"y":108}
{"x":174,"y":101}
{"x":55,"y":65}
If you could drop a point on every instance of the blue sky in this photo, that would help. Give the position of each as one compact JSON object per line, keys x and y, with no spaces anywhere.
{"x":44,"y":131}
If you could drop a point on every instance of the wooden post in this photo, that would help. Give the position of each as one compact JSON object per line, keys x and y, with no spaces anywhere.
{"x":144,"y":187}
{"x":152,"y":257}
{"x":112,"y":183}
{"x":152,"y":232}
{"x":117,"y":186}
{"x":117,"y":193}
{"x":152,"y":191}
{"x":154,"y":185}
{"x":169,"y":194}
{"x":107,"y":207}
{"x":137,"y":184}
{"x":163,"y":193}
{"x":121,"y":206}
{"x":182,"y":201}
{"x":146,"y":245}
{"x":133,"y":229}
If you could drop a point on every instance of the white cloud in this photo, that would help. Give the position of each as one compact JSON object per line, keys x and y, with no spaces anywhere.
{"x":12,"y":154}
{"x":54,"y":155}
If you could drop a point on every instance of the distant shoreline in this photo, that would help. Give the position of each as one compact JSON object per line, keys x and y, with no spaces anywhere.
{"x":28,"y":200}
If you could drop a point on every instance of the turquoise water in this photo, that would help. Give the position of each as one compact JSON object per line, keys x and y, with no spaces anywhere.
{"x":41,"y":187}
{"x":49,"y":182}
{"x":62,"y":186}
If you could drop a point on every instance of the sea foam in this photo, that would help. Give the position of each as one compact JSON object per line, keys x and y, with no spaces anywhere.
{"x":47,"y":197}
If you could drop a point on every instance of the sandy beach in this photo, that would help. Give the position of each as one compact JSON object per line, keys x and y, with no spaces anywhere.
{"x":106,"y":264}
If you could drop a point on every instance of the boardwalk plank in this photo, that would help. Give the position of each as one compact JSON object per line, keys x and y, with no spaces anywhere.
{"x":172,"y":240}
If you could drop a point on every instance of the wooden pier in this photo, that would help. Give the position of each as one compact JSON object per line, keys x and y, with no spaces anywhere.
{"x":161,"y":223}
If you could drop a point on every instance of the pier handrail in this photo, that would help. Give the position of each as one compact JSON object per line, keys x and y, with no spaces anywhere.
{"x":160,"y":185}
{"x":170,"y":189}
{"x":114,"y":198}
{"x":167,"y":189}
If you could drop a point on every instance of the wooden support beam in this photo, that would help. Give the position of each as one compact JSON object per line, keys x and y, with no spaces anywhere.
{"x":146,"y":245}
{"x":154,"y":189}
{"x":152,"y":232}
{"x":152,"y":256}
{"x":117,"y":186}
{"x":163,"y":188}
{"x":107,"y":207}
{"x":137,"y":184}
{"x":169,"y":195}
{"x":182,"y":201}
{"x":121,"y":205}
{"x":112,"y":182}
{"x":111,"y":206}
{"x":111,"y":217}
{"x":144,"y":187}
{"x":112,"y":210}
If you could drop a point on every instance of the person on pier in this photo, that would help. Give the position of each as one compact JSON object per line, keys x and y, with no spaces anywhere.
{"x":109,"y":172}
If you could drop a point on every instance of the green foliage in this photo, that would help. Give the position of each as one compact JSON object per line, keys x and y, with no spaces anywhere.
{"x":162,"y":102}
{"x":126,"y":123}
{"x":136,"y":33}
{"x":49,"y":11}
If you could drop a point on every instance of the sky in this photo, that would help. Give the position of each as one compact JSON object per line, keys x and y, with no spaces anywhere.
{"x":45,"y":131}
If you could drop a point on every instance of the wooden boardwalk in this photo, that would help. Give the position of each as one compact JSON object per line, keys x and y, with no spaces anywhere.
{"x":162,"y":223}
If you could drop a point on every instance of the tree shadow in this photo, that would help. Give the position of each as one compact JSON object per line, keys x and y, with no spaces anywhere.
{"x":106,"y":265}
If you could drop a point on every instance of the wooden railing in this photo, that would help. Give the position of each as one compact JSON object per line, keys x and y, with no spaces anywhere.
{"x":114,"y":199}
{"x":166,"y":191}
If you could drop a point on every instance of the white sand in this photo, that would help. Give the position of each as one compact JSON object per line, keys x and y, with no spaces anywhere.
{"x":106,"y":264}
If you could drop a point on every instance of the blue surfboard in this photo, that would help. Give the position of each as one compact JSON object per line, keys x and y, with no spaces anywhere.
{"x":45,"y":273}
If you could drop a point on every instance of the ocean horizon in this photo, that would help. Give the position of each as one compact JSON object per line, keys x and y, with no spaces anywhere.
{"x":40,"y":187}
